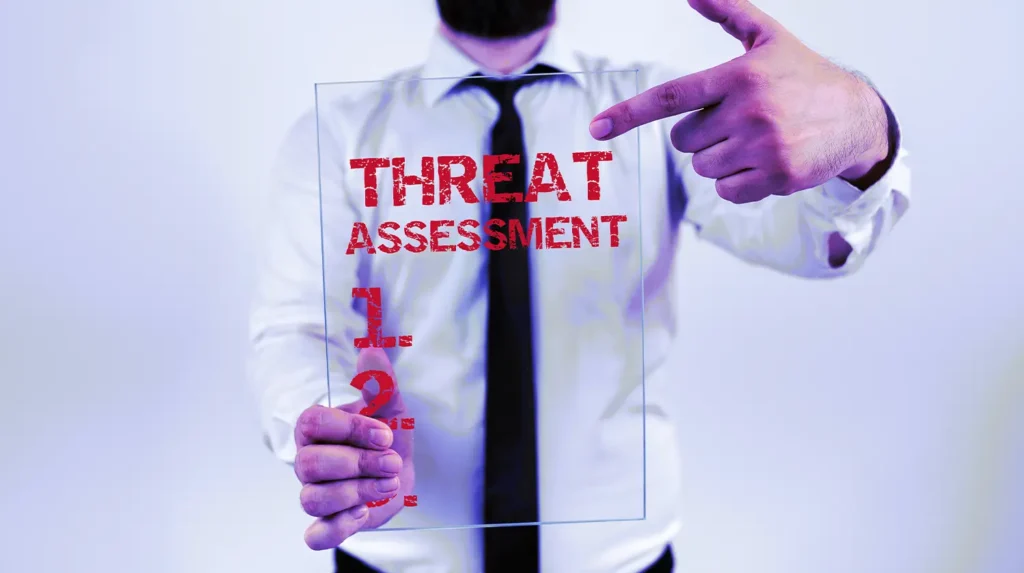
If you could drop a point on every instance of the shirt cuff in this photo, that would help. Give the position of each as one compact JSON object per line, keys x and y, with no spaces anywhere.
{"x":851,"y":211}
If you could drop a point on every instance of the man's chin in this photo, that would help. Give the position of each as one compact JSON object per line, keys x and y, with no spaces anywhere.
{"x":496,"y":19}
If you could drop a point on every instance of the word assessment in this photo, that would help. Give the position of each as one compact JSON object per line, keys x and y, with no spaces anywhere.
{"x":440,"y":186}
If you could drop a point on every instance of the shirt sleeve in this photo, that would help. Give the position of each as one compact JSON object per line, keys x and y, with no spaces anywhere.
{"x":791,"y":233}
{"x":296,"y":332}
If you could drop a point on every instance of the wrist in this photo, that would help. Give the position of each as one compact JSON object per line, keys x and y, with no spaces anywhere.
{"x":874,"y":131}
{"x":888,"y":143}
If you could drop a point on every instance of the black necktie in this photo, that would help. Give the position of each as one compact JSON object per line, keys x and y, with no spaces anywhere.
{"x":510,"y":463}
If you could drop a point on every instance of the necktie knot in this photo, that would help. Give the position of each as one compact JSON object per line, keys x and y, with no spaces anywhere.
{"x":503,"y":90}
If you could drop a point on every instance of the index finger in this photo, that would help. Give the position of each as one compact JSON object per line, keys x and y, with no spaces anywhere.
{"x":688,"y":93}
{"x":323,"y":425}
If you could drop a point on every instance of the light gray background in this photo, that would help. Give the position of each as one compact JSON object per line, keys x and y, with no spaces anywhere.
{"x":871,"y":424}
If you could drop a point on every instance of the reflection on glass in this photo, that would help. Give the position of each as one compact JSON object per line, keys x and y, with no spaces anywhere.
{"x":487,"y":256}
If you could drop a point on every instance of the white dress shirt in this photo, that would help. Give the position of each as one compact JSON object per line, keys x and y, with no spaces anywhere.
{"x":584,"y":371}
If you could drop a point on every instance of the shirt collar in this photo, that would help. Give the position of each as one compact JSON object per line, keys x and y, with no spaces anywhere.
{"x":450,"y":66}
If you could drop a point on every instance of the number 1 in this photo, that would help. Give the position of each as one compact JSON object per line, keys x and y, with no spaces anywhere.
{"x":375,"y":322}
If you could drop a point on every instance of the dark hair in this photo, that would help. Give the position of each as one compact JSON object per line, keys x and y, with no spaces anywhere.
{"x":496,"y":19}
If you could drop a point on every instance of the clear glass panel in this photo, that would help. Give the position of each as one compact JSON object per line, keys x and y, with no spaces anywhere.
{"x":407,"y":236}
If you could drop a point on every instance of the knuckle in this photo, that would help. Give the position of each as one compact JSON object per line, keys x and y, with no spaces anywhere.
{"x":307,"y":465}
{"x":704,"y":84}
{"x":367,"y":491}
{"x":355,"y":427}
{"x":763,"y":116}
{"x":669,"y":97}
{"x":367,"y":462}
{"x":312,"y":500}
{"x":309,"y":423}
{"x":752,"y":75}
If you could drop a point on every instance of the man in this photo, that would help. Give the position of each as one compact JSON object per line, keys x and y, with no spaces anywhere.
{"x":786,"y":160}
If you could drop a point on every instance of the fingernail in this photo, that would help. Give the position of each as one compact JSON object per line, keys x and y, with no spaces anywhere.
{"x":380,"y":437}
{"x":600,"y":127}
{"x":387,"y":485}
{"x":391,"y":464}
{"x":359,"y":512}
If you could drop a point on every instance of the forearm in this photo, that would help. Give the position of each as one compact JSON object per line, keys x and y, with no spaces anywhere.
{"x":292,"y":350}
{"x":290,"y":376}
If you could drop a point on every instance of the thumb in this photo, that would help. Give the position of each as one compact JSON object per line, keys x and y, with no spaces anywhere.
{"x":741,"y":19}
{"x":375,"y":378}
